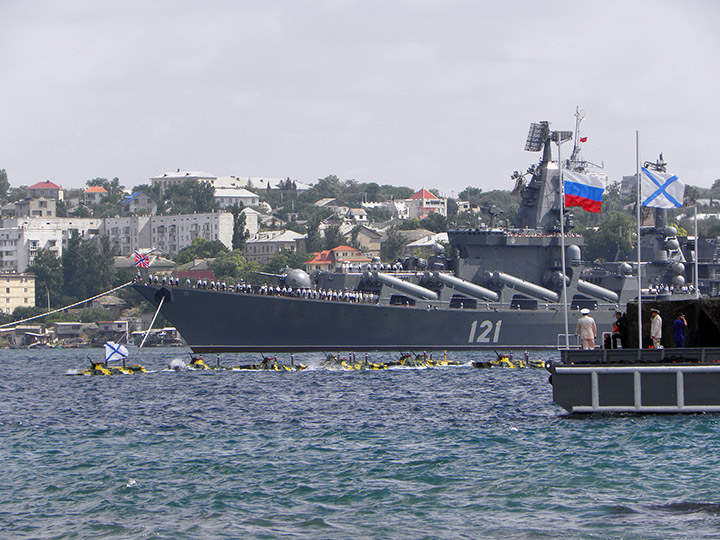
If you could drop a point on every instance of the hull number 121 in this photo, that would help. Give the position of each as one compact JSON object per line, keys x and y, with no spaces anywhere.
{"x":483,"y":332}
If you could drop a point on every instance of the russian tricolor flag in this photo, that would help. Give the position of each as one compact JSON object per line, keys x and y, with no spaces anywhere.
{"x":583,"y":190}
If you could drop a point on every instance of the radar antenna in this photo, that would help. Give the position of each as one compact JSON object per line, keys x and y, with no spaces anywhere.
{"x":659,"y":165}
{"x":537,"y":136}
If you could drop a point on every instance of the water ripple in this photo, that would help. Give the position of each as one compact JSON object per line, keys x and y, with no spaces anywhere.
{"x":433,"y":453}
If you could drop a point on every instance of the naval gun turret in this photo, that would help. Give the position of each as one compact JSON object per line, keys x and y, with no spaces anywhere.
{"x":291,"y":277}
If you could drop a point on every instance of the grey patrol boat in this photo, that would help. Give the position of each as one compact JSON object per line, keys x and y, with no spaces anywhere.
{"x":497,"y":287}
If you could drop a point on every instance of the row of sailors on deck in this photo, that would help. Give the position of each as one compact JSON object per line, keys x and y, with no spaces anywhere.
{"x":246,"y":288}
{"x":318,"y":294}
{"x":671,"y":289}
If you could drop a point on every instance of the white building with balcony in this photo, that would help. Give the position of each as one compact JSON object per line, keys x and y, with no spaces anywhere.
{"x":22,"y":238}
{"x":167,"y":234}
{"x":423,"y":203}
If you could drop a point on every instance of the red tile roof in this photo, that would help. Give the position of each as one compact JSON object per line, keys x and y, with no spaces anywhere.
{"x":96,"y":189}
{"x":45,"y":185}
{"x":423,"y":194}
{"x":321,"y":257}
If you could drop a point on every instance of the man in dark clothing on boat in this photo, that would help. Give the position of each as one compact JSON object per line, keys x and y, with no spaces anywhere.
{"x":620,"y":331}
{"x":679,"y":325}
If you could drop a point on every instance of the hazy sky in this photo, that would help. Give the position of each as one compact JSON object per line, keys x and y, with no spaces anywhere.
{"x":419,"y":93}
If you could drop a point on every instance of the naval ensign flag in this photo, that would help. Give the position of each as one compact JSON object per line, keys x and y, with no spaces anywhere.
{"x":585,"y":190}
{"x":660,"y":190}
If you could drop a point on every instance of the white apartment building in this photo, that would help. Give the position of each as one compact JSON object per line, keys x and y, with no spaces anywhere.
{"x":21,"y":238}
{"x":227,"y":197}
{"x":16,"y":290}
{"x":167,"y":234}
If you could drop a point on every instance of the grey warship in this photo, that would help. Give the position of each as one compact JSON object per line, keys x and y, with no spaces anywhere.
{"x":496,"y":287}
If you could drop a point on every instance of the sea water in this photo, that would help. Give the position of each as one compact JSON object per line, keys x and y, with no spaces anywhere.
{"x":452,"y":452}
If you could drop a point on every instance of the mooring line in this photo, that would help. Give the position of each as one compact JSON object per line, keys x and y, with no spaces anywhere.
{"x":15,"y":323}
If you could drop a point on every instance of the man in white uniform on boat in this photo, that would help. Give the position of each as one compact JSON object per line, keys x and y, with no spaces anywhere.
{"x":586,"y":329}
{"x":656,"y":328}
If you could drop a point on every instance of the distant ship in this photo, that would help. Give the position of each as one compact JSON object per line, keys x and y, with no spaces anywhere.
{"x":497,"y":287}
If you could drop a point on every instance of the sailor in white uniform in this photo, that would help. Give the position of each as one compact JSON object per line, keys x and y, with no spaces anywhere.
{"x":586,"y":329}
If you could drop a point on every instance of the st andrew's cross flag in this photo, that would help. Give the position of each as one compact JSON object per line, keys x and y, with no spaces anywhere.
{"x":660,"y":190}
{"x":585,"y":190}
{"x":142,"y":261}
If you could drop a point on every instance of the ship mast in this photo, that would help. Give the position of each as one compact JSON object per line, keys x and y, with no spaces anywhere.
{"x":579,"y":117}
{"x":576,"y":163}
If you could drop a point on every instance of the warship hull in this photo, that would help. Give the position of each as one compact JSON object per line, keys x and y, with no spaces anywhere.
{"x":218,"y":321}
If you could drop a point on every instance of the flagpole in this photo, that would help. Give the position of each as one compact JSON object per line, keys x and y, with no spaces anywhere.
{"x":562,"y":247}
{"x":697,"y":257}
{"x":639,"y":267}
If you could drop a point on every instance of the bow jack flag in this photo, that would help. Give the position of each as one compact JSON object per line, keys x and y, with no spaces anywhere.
{"x":660,"y":190}
{"x":142,"y":261}
{"x":584,"y":190}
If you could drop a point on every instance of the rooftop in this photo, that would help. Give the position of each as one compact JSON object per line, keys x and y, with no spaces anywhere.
{"x":45,"y":185}
{"x":423,"y":194}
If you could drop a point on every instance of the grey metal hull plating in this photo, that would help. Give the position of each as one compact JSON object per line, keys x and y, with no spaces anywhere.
{"x":637,"y":381}
{"x":214,"y":321}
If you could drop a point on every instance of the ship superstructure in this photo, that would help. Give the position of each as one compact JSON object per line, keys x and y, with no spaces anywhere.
{"x":494,"y":287}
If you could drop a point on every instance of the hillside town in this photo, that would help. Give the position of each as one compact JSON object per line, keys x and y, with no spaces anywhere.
{"x":192,"y":225}
{"x":260,"y":218}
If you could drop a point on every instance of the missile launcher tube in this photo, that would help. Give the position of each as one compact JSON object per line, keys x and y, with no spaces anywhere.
{"x":596,"y":291}
{"x":467,"y":287}
{"x":528,"y":288}
{"x":409,"y":288}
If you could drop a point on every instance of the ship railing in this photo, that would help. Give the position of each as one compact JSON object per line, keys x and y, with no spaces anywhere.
{"x":572,"y":340}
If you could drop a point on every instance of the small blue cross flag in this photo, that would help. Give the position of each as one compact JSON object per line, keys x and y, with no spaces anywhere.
{"x":142,"y":261}
{"x":660,"y":190}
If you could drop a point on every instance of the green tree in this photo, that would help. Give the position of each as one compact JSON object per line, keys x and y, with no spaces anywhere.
{"x":354,"y":236}
{"x":333,"y":238}
{"x":4,"y":186}
{"x":18,"y":193}
{"x":393,"y":246}
{"x":81,"y":212}
{"x":200,"y":249}
{"x":434,"y":222}
{"x":409,"y":224}
{"x":471,"y":194}
{"x":48,"y":272}
{"x":190,"y":197}
{"x":379,"y":214}
{"x":240,"y":235}
{"x":286,"y":259}
{"x":610,"y":240}
{"x":87,"y":267}
{"x":24,"y":312}
{"x":61,"y":209}
{"x":314,"y":240}
{"x":330,"y":186}
{"x":71,"y":263}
